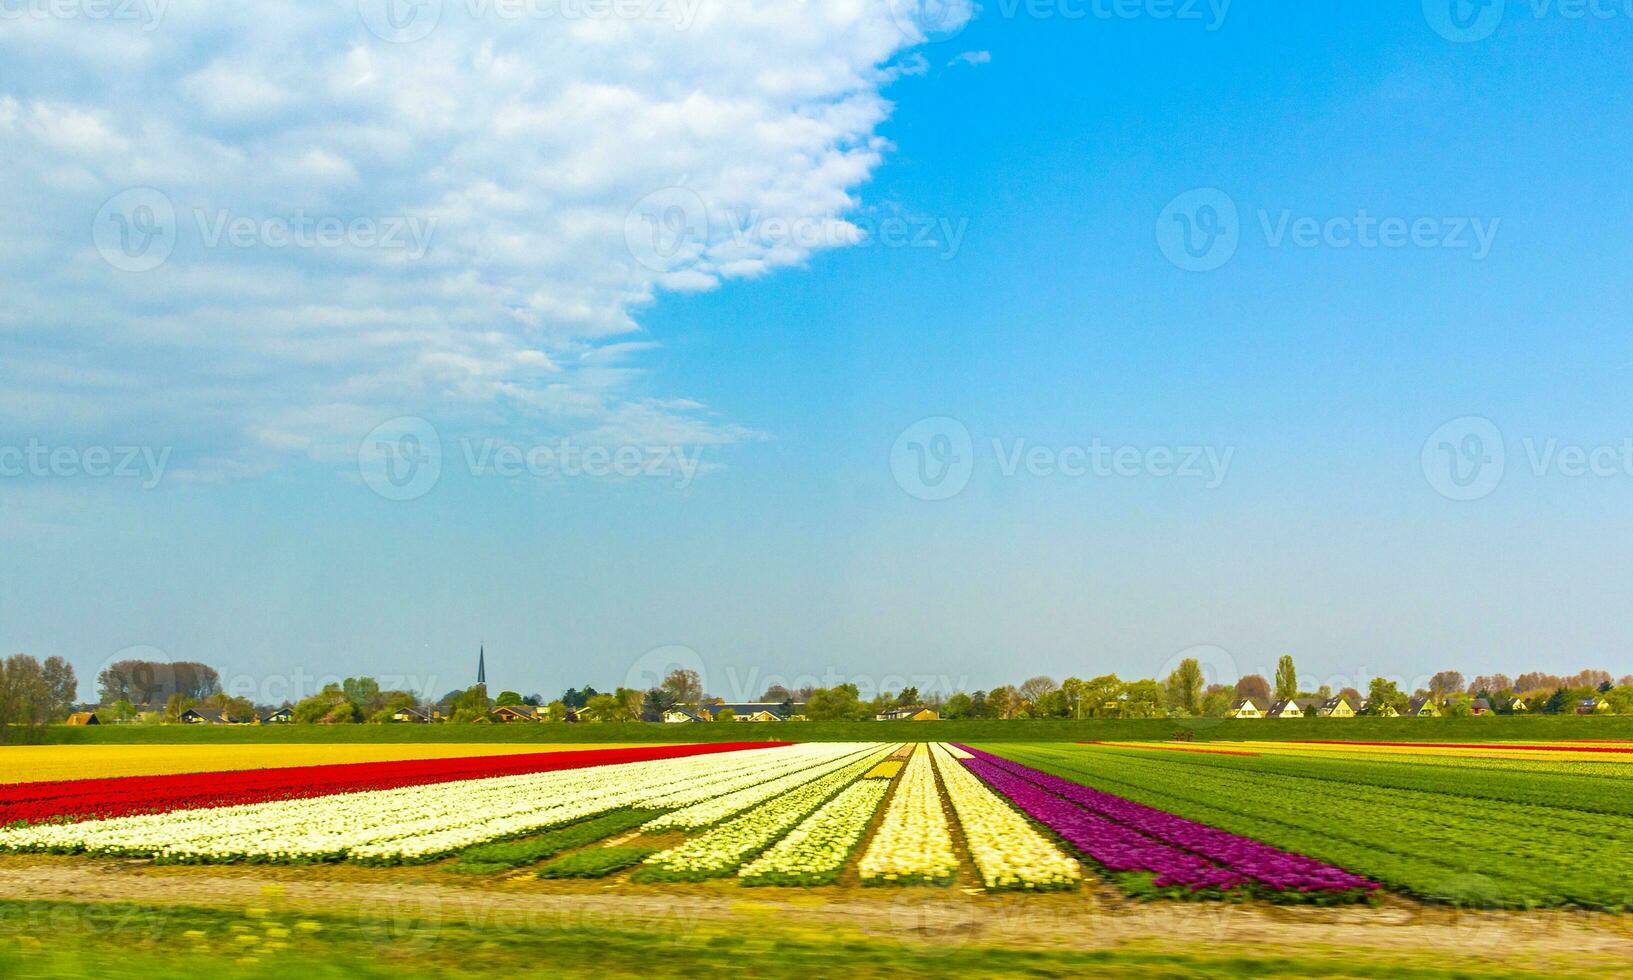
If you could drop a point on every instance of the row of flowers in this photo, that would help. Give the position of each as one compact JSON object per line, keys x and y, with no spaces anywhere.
{"x":814,"y":852}
{"x":1008,"y":851}
{"x":913,"y":844}
{"x":124,"y":796}
{"x":1124,"y":835}
{"x":710,"y":809}
{"x":726,"y":847}
{"x":386,"y":826}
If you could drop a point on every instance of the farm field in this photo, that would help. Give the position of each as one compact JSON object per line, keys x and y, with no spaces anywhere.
{"x":888,"y":845}
{"x":1486,"y":824}
{"x":31,"y":763}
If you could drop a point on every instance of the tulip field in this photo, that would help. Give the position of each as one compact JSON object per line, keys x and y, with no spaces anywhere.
{"x":1326,"y":823}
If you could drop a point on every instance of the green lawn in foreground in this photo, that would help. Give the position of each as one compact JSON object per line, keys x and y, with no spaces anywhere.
{"x":1510,"y":728}
{"x":50,"y":940}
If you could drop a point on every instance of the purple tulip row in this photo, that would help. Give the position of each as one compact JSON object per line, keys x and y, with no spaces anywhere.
{"x":1112,"y":845}
{"x":1170,"y":842}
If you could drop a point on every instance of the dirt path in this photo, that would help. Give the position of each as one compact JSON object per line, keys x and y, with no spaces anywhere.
{"x":409,"y":905}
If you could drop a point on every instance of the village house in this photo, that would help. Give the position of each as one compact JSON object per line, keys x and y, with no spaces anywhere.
{"x":1336,"y":707}
{"x":1285,"y":709}
{"x":83,"y":718}
{"x":512,"y":713}
{"x":409,"y":715}
{"x":1422,"y":707}
{"x":1480,"y":706}
{"x":279,"y":716}
{"x":1593,"y":706}
{"x":1517,"y":704}
{"x":1244,"y":708}
{"x":914,"y":712}
{"x":192,"y":716}
{"x":754,"y":710}
{"x":682,"y":716}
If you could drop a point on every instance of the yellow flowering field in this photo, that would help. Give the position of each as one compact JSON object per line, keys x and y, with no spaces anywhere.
{"x":31,"y":763}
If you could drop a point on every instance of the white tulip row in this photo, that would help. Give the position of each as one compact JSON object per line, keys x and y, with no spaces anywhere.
{"x":814,"y":852}
{"x":710,"y":811}
{"x":1007,"y":850}
{"x":724,"y":848}
{"x":914,"y":843}
{"x":773,"y":765}
{"x":389,"y":826}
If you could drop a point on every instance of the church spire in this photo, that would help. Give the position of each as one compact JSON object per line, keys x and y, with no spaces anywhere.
{"x":481,"y":665}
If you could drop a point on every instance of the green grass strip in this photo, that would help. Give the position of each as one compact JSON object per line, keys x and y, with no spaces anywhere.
{"x":488,"y":858}
{"x":595,"y":862}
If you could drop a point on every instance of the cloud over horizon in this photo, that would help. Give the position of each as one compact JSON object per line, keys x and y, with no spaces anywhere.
{"x":259,"y":236}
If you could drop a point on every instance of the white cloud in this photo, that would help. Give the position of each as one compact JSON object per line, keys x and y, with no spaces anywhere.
{"x":565,"y":171}
{"x":972,"y":58}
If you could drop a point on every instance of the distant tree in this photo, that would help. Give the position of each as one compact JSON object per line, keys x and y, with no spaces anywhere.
{"x":1255,"y":688}
{"x":61,"y":687}
{"x":909,"y":697}
{"x":1621,"y":699}
{"x":655,"y":703}
{"x":978,"y":705}
{"x":1626,"y":681}
{"x":1489,"y":682}
{"x":1100,"y":696}
{"x":1384,"y":693}
{"x":473,"y":704}
{"x":1051,"y":705}
{"x":685,"y":685}
{"x":840,"y":703}
{"x":1216,"y":701}
{"x":1184,"y":687}
{"x":725,"y":714}
{"x":1035,"y":687}
{"x":958,"y":706}
{"x":1353,"y":696}
{"x":555,"y":711}
{"x":1605,"y":687}
{"x":152,"y":682}
{"x":1445,"y":682}
{"x":1142,"y":699}
{"x":507,"y":699}
{"x":121,"y":710}
{"x":1003,"y":702}
{"x":1286,"y":679}
{"x":777,"y":692}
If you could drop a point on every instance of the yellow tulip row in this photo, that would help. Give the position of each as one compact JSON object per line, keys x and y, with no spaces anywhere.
{"x":1007,"y":850}
{"x":914,"y":842}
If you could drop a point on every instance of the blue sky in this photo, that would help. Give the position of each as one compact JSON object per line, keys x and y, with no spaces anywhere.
{"x":1405,"y":458}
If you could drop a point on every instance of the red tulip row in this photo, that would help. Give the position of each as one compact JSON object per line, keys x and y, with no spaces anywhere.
{"x":125,"y":795}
